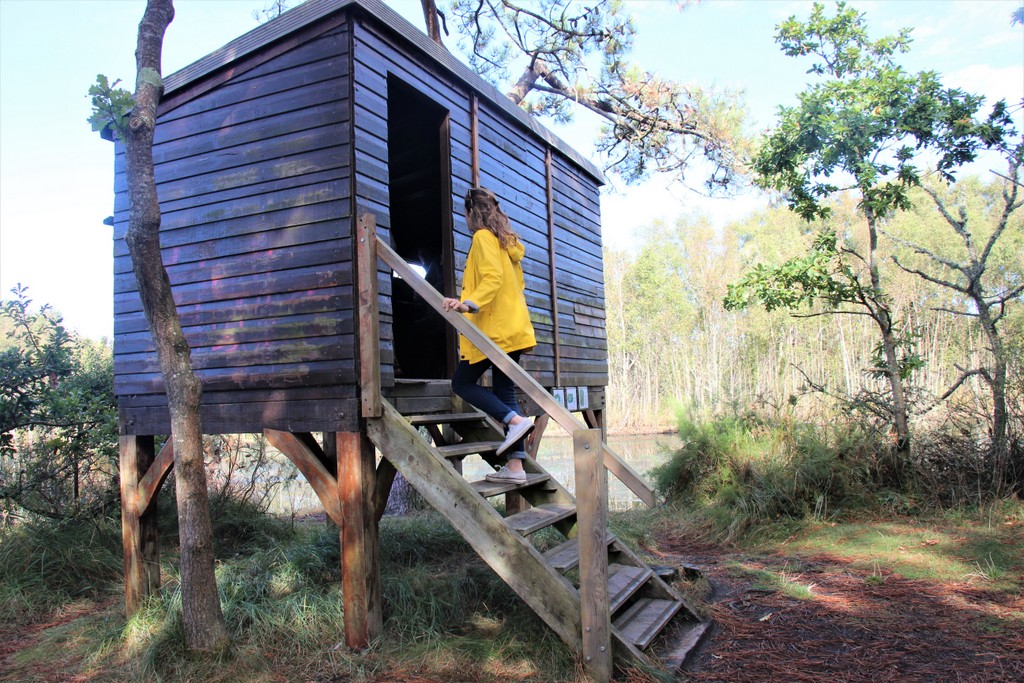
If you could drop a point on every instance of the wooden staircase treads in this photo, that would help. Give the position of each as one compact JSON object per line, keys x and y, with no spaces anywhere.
{"x":536,"y":518}
{"x":623,"y":581}
{"x":459,"y":450}
{"x":444,"y":418}
{"x":565,"y":556}
{"x":644,"y":620}
{"x":493,"y":488}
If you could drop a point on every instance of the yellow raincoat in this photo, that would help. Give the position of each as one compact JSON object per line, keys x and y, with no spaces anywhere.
{"x":493,"y":280}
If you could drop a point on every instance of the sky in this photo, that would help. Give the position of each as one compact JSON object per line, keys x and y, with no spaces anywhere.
{"x":56,"y":175}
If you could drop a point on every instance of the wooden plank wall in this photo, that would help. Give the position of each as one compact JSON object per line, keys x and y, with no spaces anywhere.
{"x":375,"y":56}
{"x":512,"y":163}
{"x":580,"y":276}
{"x":254,"y":182}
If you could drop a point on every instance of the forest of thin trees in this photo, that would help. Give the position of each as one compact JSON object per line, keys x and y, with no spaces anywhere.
{"x":673,"y":345}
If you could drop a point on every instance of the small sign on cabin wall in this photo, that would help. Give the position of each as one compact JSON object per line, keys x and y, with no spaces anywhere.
{"x":570,"y":399}
{"x":583,"y":398}
{"x":559,"y":395}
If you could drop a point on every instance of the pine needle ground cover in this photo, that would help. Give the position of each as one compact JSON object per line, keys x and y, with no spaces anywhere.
{"x":905,"y":599}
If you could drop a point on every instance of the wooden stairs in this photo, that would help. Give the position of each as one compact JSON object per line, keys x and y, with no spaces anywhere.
{"x":644,"y":610}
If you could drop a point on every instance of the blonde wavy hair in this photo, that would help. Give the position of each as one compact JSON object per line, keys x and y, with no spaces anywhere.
{"x":483,"y":212}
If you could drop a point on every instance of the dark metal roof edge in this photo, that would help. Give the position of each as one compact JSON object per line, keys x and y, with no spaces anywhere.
{"x":313,"y":10}
{"x":247,"y":43}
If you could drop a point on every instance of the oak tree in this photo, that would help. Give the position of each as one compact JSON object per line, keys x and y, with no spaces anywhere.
{"x":870,"y":128}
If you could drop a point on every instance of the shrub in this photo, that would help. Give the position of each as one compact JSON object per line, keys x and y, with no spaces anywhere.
{"x":746,"y":471}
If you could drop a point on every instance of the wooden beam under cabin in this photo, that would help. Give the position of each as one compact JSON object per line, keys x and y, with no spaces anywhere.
{"x":310,"y":463}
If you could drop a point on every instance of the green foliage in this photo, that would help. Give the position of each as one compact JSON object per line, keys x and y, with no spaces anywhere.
{"x":822,"y":274}
{"x":743,"y":472}
{"x":58,"y":417}
{"x":111,"y":107}
{"x":554,"y":56}
{"x":35,"y":355}
{"x":869,"y":119}
{"x":908,"y":360}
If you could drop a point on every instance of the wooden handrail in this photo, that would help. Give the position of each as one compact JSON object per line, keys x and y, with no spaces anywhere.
{"x":522,"y":379}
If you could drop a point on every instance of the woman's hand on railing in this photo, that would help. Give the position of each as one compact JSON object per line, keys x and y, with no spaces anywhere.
{"x":454,"y":305}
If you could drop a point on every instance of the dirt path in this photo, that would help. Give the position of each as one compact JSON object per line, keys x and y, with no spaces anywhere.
{"x":853,"y":626}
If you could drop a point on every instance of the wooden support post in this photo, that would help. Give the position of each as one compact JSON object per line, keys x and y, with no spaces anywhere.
{"x":138,"y":523}
{"x":594,"y":417}
{"x":360,"y":550}
{"x":592,"y":517}
{"x":369,"y":331}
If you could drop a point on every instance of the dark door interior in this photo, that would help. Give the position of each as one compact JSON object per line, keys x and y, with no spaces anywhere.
{"x":419,"y":168}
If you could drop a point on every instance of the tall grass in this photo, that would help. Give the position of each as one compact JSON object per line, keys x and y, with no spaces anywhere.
{"x":744,"y":472}
{"x":447,"y":615}
{"x":741,"y":473}
{"x":45,"y":563}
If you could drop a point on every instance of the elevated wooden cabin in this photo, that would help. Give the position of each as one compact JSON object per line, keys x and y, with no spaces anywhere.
{"x":307,"y":171}
{"x":267,"y":150}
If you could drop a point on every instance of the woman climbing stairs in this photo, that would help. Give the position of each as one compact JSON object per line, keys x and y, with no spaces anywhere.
{"x":592,"y":590}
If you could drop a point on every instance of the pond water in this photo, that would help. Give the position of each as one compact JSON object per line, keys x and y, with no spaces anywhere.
{"x":643,"y":452}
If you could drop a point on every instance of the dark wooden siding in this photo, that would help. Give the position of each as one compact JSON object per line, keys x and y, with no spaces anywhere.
{"x":580,"y":275}
{"x":512,"y":165}
{"x":254,"y":181}
{"x":376,"y":55}
{"x":263,"y":165}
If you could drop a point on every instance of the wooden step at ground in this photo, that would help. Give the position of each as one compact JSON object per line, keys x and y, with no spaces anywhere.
{"x":644,"y":620}
{"x":623,"y":582}
{"x":493,"y":488}
{"x":539,"y":517}
{"x":682,"y":642}
{"x":565,"y":556}
{"x":460,"y":450}
{"x":444,"y":418}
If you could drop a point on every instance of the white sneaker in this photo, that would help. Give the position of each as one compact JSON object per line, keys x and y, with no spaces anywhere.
{"x":505,"y":475}
{"x":516,"y":433}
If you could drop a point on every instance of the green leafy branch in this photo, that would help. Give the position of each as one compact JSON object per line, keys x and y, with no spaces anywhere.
{"x":111,"y":107}
{"x":821,"y":274}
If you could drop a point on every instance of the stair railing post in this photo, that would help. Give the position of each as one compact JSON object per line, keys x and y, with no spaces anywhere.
{"x":592,"y":521}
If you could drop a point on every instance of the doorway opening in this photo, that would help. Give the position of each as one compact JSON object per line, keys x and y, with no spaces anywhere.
{"x":419,"y":169}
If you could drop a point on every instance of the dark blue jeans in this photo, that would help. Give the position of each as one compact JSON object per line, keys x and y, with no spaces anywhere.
{"x":498,"y":402}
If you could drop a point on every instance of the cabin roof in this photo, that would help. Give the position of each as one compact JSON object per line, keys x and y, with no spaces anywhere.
{"x":313,"y":10}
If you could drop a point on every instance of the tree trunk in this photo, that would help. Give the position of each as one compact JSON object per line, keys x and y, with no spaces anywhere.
{"x":881,"y":315}
{"x":997,"y":382}
{"x":202,"y":617}
{"x":430,"y":20}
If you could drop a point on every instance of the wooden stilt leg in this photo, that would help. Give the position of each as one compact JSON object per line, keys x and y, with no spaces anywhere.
{"x":138,"y":526}
{"x":360,"y":551}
